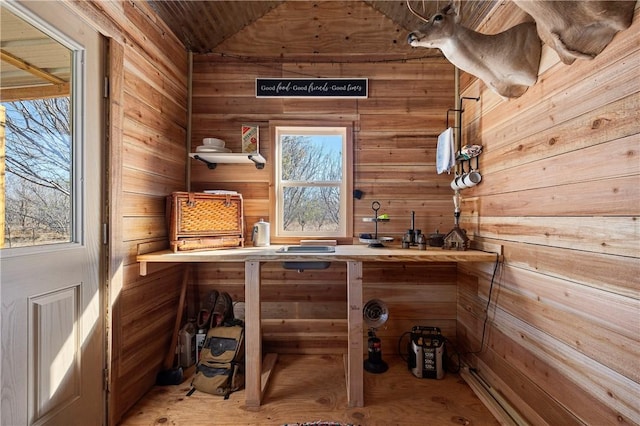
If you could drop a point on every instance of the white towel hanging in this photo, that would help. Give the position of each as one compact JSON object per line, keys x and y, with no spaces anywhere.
{"x":445,"y":154}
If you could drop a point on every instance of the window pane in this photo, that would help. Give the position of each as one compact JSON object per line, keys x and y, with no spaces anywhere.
{"x":311,"y":209}
{"x":36,"y":148}
{"x":311,"y":158}
{"x":38,"y":172}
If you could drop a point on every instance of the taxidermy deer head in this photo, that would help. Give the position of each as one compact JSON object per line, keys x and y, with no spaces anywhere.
{"x":507,"y":62}
{"x":578,"y":29}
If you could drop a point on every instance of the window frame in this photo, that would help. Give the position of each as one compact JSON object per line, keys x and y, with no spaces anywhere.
{"x":77,"y":97}
{"x":346,"y":233}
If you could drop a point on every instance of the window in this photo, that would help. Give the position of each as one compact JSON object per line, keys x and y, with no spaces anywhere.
{"x":312,"y":181}
{"x":36,"y":149}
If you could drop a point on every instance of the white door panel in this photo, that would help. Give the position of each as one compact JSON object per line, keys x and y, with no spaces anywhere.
{"x":52,"y":320}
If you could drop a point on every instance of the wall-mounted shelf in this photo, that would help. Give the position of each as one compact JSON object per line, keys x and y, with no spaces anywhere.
{"x":212,"y":159}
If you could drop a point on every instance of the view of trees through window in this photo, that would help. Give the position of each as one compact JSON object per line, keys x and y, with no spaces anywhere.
{"x":37,"y":163}
{"x":311,"y":176}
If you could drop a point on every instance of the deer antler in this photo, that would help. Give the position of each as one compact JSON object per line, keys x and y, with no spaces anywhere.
{"x":416,"y":13}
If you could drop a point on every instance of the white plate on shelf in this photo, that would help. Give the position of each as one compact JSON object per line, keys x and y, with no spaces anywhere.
{"x":213,"y":142}
{"x":212,"y":149}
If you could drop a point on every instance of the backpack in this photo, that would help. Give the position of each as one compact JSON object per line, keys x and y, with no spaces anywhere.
{"x":220,"y":369}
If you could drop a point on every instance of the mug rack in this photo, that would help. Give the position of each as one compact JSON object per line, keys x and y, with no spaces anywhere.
{"x":459,"y":157}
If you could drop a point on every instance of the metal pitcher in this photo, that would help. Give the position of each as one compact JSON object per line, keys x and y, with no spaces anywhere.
{"x":260,"y":234}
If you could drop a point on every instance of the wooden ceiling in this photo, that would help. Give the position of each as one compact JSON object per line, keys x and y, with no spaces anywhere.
{"x":34,"y":65}
{"x":204,"y":25}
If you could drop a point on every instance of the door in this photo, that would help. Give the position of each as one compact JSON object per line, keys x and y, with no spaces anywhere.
{"x":52,"y":317}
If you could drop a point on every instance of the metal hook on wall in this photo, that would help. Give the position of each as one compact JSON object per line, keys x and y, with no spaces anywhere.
{"x":460,"y":110}
{"x":448,"y":111}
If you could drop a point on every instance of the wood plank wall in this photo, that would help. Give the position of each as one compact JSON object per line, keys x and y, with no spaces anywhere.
{"x":395,"y":136}
{"x":394,"y":143}
{"x":560,"y":192}
{"x":147,"y":153}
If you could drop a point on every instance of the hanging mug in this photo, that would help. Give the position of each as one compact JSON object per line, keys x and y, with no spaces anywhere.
{"x":472,"y":178}
{"x":457,"y":183}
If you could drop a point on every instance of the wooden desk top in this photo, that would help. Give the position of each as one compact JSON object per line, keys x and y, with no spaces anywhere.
{"x":343,"y":253}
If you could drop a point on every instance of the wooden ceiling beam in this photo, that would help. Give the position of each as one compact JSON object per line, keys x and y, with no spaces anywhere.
{"x":35,"y":92}
{"x":31,"y":69}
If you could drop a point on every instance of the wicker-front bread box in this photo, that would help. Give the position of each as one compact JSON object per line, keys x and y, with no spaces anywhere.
{"x":201,"y":221}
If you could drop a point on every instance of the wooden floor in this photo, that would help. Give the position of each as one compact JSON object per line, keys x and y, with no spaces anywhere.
{"x":306,"y":388}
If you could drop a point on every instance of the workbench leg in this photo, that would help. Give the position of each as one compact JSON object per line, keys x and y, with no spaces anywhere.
{"x":355,"y":369}
{"x":253,"y":335}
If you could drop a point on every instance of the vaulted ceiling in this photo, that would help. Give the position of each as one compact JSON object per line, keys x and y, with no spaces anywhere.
{"x":38,"y":66}
{"x":203,"y":26}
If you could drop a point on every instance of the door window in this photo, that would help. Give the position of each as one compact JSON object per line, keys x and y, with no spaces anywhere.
{"x":36,"y":137}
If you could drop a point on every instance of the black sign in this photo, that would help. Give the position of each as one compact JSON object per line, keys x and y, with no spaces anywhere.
{"x":311,"y":87}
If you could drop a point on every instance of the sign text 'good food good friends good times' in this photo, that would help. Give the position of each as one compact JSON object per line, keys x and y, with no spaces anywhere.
{"x":311,"y":87}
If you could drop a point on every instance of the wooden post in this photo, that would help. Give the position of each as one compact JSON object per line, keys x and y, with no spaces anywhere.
{"x":355,"y":369}
{"x":253,"y":335}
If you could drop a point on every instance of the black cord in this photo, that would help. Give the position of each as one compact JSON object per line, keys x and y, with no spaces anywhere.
{"x":454,"y":352}
{"x":405,"y":359}
{"x":448,"y":365}
{"x":486,"y":316}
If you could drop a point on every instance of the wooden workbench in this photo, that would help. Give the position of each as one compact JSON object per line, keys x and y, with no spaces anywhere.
{"x":352,"y":255}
